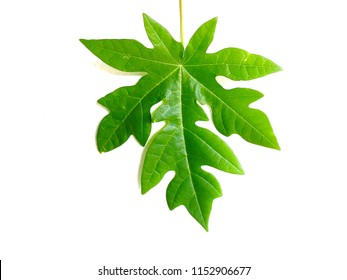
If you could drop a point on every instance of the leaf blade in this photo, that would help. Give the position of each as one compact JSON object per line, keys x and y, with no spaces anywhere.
{"x":163,"y":41}
{"x":130,"y":111}
{"x":235,"y":64}
{"x":201,"y":40}
{"x":183,"y":79}
{"x":126,"y":55}
{"x":183,"y":147}
{"x":231,"y":113}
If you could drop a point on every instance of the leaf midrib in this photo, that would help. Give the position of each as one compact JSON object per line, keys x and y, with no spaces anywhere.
{"x":228,"y":64}
{"x":190,"y":172}
{"x":140,"y":58}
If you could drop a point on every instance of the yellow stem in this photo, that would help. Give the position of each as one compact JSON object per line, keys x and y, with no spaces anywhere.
{"x":181,"y":22}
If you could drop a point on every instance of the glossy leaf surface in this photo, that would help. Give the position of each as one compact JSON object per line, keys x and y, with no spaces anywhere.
{"x":183,"y":79}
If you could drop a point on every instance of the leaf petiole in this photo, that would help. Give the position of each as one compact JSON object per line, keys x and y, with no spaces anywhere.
{"x":181,"y":22}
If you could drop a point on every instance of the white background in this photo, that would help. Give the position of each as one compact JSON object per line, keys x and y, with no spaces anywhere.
{"x":66,"y":210}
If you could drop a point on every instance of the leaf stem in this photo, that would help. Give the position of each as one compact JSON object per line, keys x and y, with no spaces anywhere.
{"x":181,"y":22}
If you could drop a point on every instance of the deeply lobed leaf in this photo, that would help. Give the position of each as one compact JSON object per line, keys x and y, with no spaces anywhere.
{"x":181,"y":78}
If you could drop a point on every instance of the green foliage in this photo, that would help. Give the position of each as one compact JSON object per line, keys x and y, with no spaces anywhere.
{"x":183,"y":79}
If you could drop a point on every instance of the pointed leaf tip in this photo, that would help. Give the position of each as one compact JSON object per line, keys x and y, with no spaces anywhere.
{"x":83,"y":41}
{"x":148,"y":18}
{"x":214,"y":20}
{"x":145,"y":16}
{"x":277,"y":68}
{"x":86,"y":43}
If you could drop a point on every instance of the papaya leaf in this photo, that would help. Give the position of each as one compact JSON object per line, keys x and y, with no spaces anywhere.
{"x":182,"y":79}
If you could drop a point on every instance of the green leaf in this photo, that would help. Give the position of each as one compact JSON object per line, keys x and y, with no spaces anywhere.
{"x":182,"y":79}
